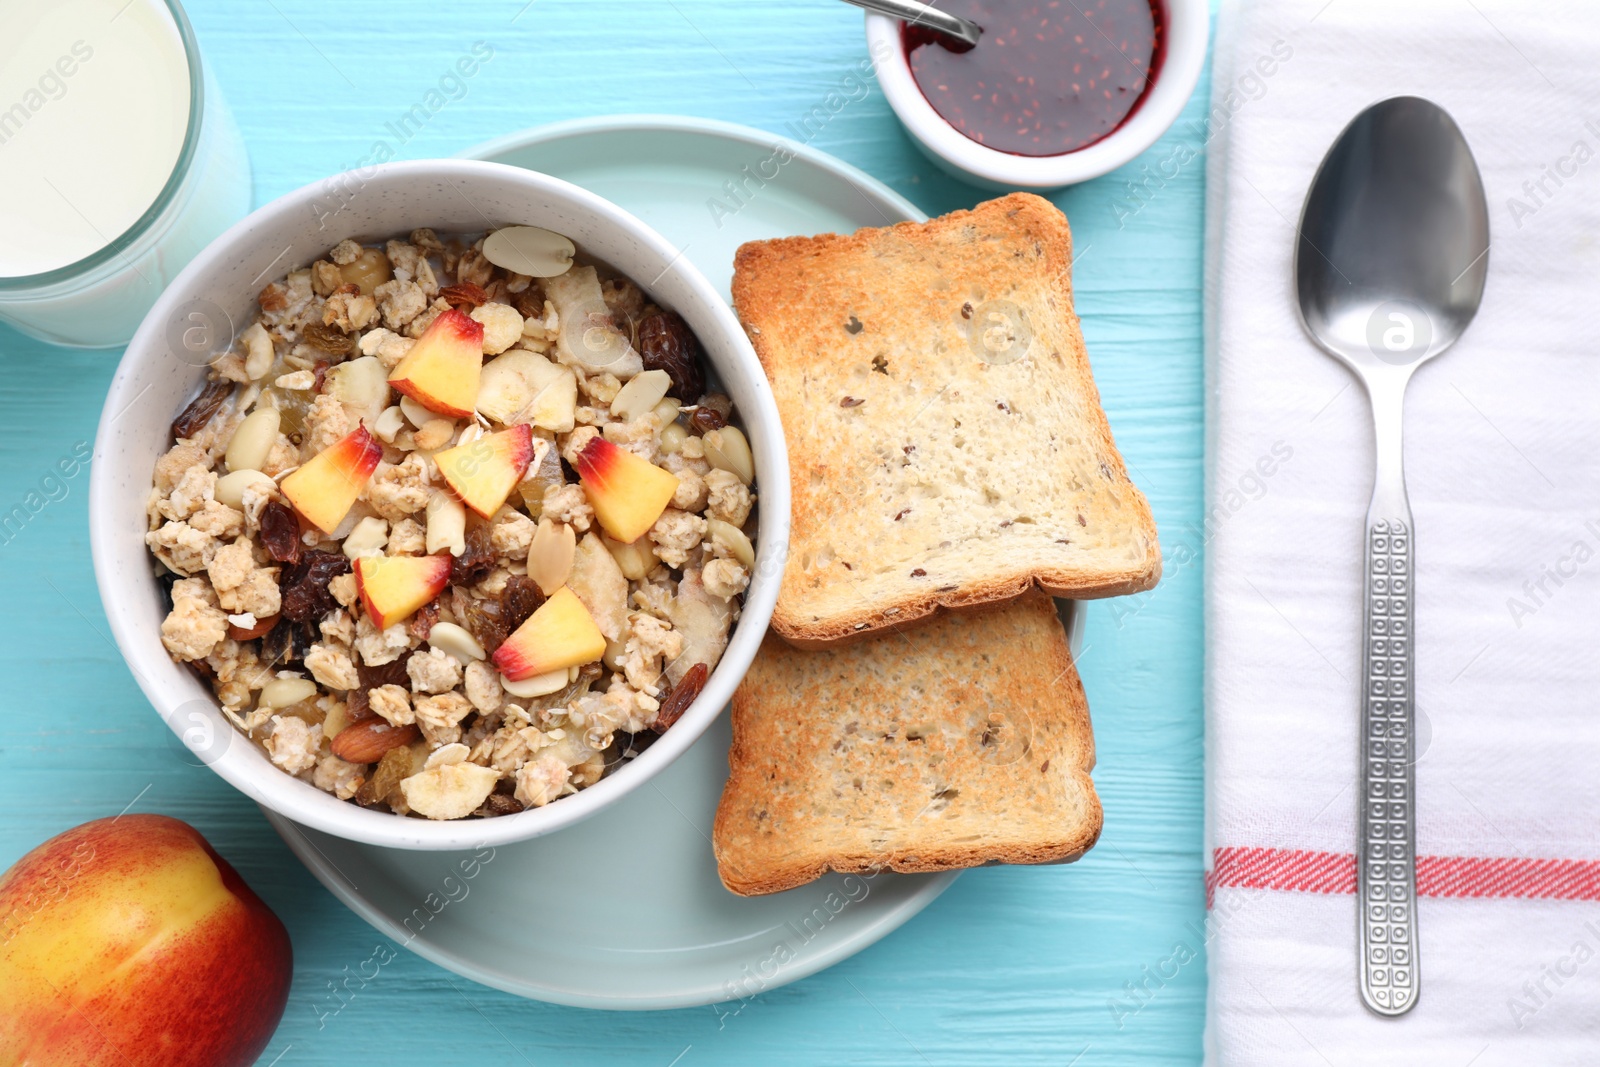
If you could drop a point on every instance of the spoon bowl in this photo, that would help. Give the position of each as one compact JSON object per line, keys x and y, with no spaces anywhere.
{"x":1390,"y":263}
{"x":1394,"y":238}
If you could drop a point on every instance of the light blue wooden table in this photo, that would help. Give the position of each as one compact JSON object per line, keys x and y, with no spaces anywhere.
{"x":1014,"y":965}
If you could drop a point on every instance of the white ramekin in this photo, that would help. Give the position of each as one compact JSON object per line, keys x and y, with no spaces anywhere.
{"x":216,"y":294}
{"x":1187,"y":25}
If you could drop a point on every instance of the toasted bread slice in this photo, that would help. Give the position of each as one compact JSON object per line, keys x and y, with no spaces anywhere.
{"x":965,"y":742}
{"x":947,"y":445}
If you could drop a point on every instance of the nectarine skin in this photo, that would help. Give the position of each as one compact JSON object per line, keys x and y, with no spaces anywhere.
{"x":326,"y":486}
{"x":561,"y":633}
{"x":483,"y":472}
{"x":628,"y":493}
{"x":393,"y":587}
{"x":129,"y":942}
{"x":442,"y":369}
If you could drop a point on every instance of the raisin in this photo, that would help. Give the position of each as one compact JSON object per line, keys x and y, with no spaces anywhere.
{"x":500,"y":804}
{"x":422,"y":622}
{"x":666,"y":343}
{"x":301,"y":637}
{"x":278,"y":643}
{"x":464,"y":294}
{"x":304,"y":586}
{"x":703,"y":420}
{"x":530,"y":302}
{"x":393,"y":673}
{"x":280,"y":533}
{"x":677,"y":701}
{"x":720,"y":403}
{"x":520,"y":600}
{"x":329,"y":339}
{"x":321,"y":375}
{"x":358,"y":705}
{"x":483,"y":620}
{"x":476,"y":560}
{"x":201,"y":408}
{"x":386,"y":777}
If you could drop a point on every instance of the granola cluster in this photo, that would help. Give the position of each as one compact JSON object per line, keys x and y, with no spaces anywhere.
{"x":417,"y":714}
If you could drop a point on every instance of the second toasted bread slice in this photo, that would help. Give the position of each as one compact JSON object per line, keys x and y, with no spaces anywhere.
{"x":946,"y":440}
{"x":965,"y":742}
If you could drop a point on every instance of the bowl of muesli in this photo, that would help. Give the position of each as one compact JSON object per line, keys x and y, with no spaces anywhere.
{"x":439,"y":504}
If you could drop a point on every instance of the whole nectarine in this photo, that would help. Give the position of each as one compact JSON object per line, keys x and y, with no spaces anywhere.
{"x":130,"y":942}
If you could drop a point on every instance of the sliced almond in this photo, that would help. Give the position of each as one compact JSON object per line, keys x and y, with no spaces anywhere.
{"x":252,"y":442}
{"x":230,"y":487}
{"x":733,"y":538}
{"x":286,"y":692}
{"x":635,"y":560}
{"x":540,"y":685}
{"x":530,"y":250}
{"x":550,"y":555}
{"x":727,"y":449}
{"x":446,"y":524}
{"x":642,"y":393}
{"x":456,"y":642}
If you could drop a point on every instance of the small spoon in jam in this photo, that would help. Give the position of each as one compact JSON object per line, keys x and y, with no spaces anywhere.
{"x":926,"y":16}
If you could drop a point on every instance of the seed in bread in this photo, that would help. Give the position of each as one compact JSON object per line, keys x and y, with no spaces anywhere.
{"x":946,"y":440}
{"x":964,"y":742}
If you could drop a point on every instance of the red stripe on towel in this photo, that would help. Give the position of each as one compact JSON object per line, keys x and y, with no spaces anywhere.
{"x":1303,"y":871}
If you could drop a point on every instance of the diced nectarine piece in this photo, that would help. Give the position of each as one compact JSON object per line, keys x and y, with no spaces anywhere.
{"x":393,"y":587}
{"x":441,"y":370}
{"x":325,"y":487}
{"x":628,"y":493}
{"x":560,"y":634}
{"x":483,"y":472}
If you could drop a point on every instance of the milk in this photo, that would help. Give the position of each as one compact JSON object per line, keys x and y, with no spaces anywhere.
{"x":97,"y":191}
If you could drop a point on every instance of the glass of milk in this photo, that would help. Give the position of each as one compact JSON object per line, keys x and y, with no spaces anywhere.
{"x":118,"y":162}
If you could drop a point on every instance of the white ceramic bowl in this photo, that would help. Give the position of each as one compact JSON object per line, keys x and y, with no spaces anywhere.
{"x":163,"y":368}
{"x":1187,"y":25}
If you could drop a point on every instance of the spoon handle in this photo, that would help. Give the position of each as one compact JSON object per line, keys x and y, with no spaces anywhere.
{"x":924,"y":15}
{"x":1386,"y":881}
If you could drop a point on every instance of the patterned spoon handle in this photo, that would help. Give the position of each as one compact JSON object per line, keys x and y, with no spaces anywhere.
{"x":1386,"y":871}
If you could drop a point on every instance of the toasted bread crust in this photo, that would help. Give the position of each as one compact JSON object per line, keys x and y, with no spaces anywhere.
{"x":799,"y":298}
{"x":841,"y":759}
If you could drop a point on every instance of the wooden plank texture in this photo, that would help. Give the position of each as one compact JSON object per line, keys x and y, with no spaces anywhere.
{"x":1023,"y":966}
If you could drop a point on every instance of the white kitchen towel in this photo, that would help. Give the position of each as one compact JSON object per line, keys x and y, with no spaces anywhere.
{"x":1503,"y":466}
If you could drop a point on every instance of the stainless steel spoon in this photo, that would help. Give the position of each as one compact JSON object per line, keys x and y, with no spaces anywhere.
{"x":1389,"y":266}
{"x":924,"y":15}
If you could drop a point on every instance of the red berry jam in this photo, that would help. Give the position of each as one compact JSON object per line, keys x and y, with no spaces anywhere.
{"x":1047,"y":76}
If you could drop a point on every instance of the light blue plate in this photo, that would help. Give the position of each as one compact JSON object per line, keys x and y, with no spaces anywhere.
{"x":625,"y":911}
